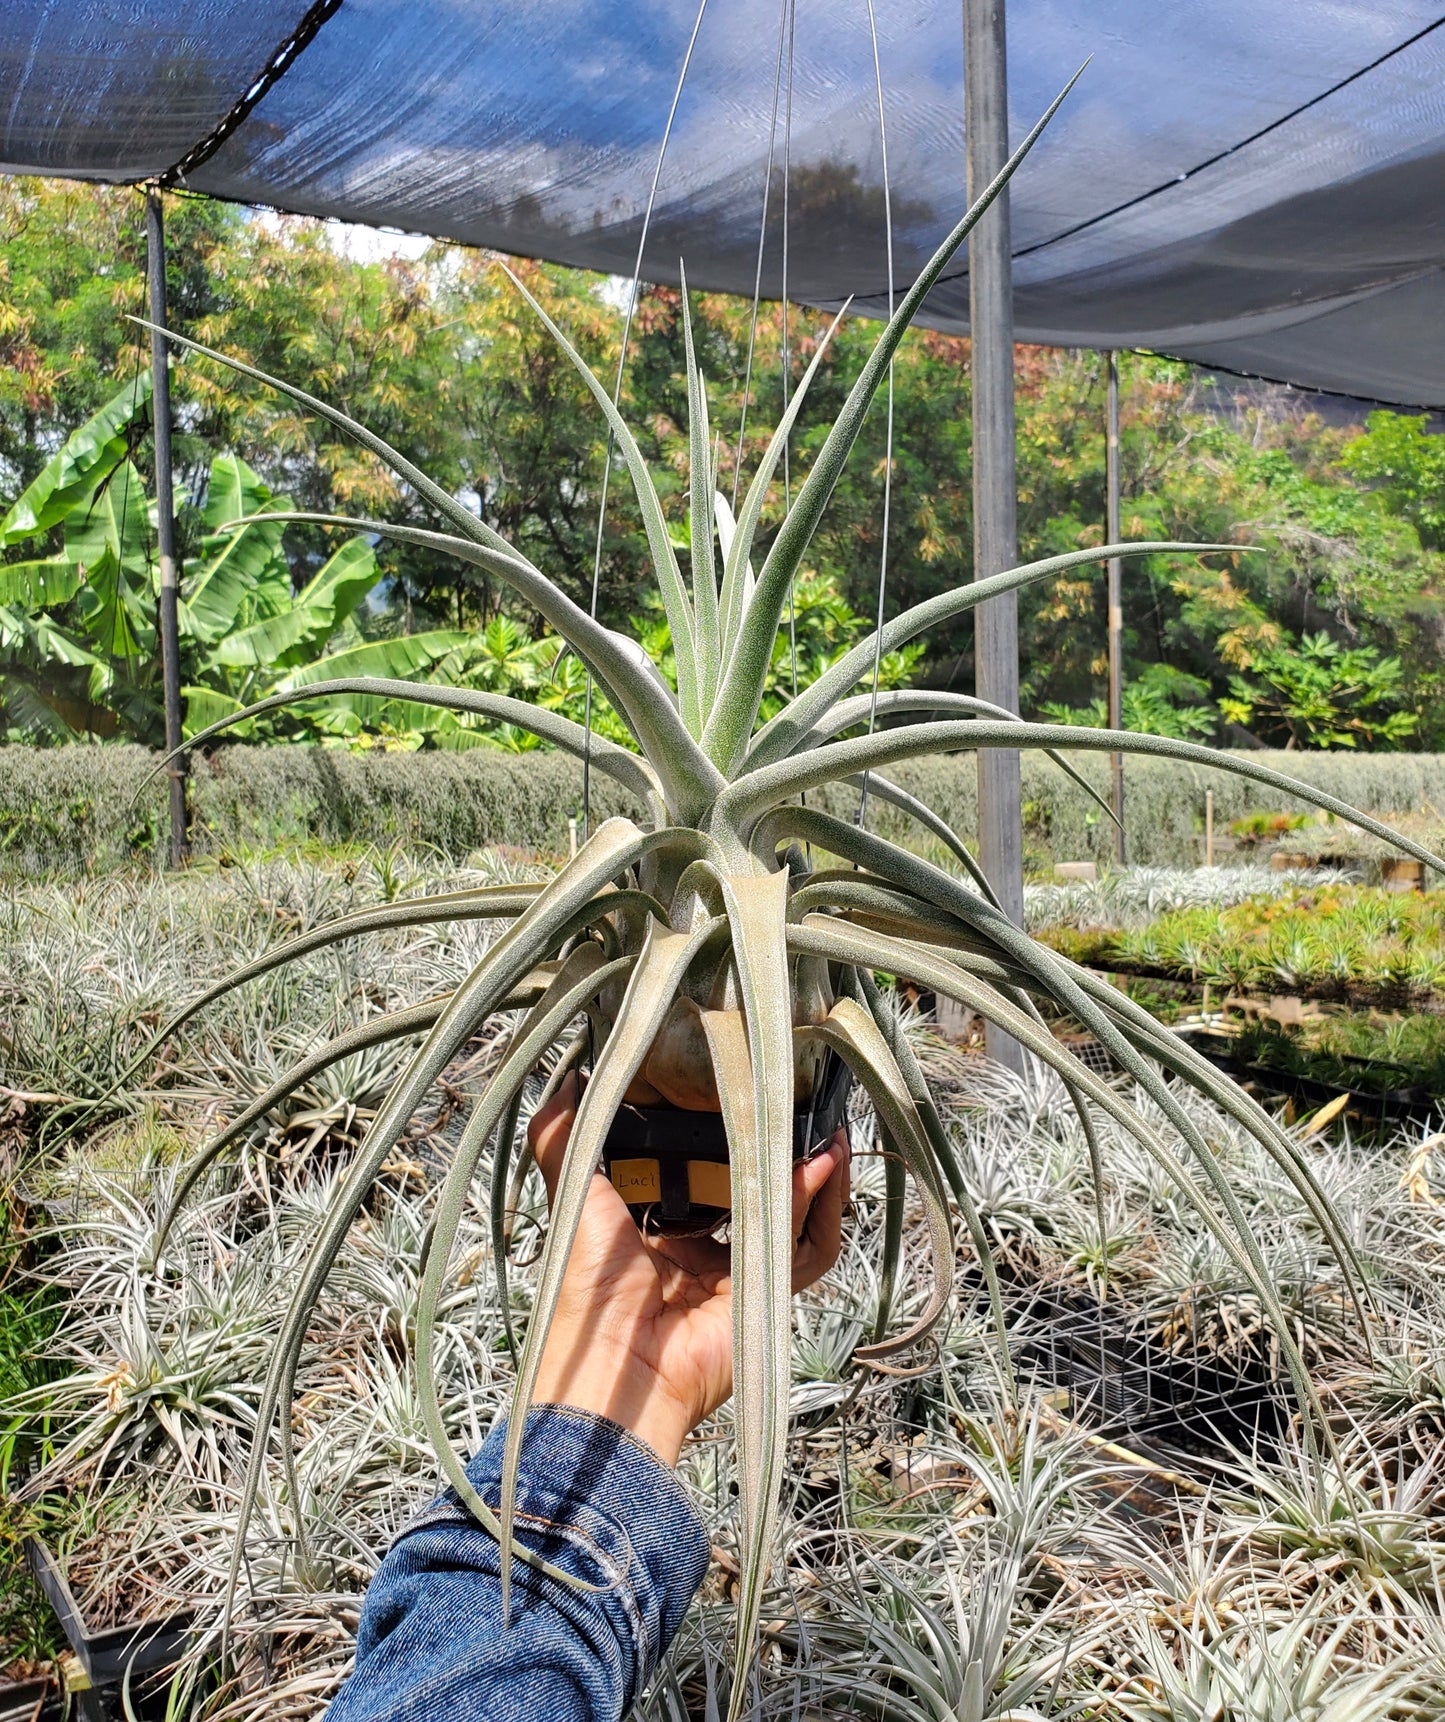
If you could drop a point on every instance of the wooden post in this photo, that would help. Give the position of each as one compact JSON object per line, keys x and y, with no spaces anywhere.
{"x":165,"y":523}
{"x":1209,"y":828}
{"x":995,"y":532}
{"x":1113,"y":532}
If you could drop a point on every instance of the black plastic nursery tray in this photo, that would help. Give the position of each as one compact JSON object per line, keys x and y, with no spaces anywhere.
{"x":1172,"y":1404}
{"x":1406,"y":1105}
{"x":27,"y":1700}
{"x":119,"y":1652}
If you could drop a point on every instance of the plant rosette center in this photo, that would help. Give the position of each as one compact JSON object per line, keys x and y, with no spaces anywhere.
{"x":666,"y":1152}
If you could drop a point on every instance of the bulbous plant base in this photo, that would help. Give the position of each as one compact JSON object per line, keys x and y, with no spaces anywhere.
{"x":671,"y":1165}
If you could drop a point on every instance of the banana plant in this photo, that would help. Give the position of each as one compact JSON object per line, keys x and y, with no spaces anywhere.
{"x":246,"y":632}
{"x":74,"y":626}
{"x":78,"y":648}
{"x":731,"y":905}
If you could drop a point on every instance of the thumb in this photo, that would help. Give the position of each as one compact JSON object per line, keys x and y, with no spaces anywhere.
{"x":548,"y":1131}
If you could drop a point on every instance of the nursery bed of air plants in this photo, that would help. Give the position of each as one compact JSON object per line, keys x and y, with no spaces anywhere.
{"x":1317,"y":988}
{"x":945,"y":1545}
{"x":707,"y":955}
{"x":129,"y":1455}
{"x":1317,"y":938}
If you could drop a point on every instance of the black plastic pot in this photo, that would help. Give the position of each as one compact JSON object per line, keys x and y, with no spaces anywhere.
{"x":24,"y":1700}
{"x":108,"y":1657}
{"x":671,"y":1165}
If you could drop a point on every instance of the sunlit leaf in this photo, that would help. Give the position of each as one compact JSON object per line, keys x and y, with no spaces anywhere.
{"x":89,"y":455}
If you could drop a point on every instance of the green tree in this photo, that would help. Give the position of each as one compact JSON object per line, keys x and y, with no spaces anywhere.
{"x":1399,"y":453}
{"x":72,"y":267}
{"x":1317,"y":693}
{"x":432,"y":354}
{"x":1337,"y":531}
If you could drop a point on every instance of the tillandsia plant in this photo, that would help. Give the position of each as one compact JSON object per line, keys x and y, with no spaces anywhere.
{"x":711,"y":948}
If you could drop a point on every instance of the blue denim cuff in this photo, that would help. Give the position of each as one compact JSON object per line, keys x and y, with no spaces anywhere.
{"x":596,"y":1503}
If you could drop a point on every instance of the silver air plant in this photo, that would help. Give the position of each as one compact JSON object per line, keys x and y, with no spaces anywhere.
{"x":719,"y":945}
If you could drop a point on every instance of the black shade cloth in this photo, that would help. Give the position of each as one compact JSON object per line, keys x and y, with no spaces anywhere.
{"x":1258,"y":185}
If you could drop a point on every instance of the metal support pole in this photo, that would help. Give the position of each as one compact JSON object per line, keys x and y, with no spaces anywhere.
{"x":995,"y":530}
{"x":165,"y":522}
{"x":1113,"y":531}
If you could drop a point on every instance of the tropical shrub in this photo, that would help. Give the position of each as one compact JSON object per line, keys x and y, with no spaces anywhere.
{"x":503,"y":657}
{"x":1160,"y":701}
{"x":1406,"y":459}
{"x":1315,"y":692}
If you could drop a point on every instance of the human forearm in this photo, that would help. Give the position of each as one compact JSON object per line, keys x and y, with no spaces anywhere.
{"x":598,"y":1373}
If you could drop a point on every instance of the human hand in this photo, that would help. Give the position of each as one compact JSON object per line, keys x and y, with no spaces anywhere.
{"x":643,"y":1328}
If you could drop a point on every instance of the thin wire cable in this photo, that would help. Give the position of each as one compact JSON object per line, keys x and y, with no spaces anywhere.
{"x":888,"y":435}
{"x":1176,"y":180}
{"x":787,"y":354}
{"x":1233,"y":149}
{"x":762,"y":242}
{"x":617,"y":396}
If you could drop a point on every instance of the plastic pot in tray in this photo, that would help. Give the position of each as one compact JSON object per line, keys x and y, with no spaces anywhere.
{"x":137,"y":1648}
{"x":24,"y":1700}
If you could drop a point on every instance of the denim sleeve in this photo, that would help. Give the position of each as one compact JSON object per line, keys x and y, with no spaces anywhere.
{"x":596,"y":1503}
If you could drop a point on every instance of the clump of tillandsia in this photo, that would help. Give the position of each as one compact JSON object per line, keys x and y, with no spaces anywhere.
{"x":706,"y":947}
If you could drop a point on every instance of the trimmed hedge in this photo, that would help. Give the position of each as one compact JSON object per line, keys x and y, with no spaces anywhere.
{"x":75,"y":809}
{"x":1163,"y":801}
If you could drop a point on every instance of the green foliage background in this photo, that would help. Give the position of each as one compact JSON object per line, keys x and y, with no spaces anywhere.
{"x":440,"y":356}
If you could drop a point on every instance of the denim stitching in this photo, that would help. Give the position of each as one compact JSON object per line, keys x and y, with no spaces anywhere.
{"x":452,"y":1514}
{"x":448,"y":1511}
